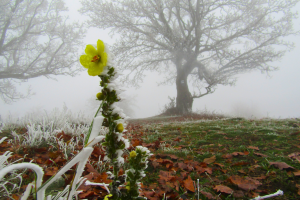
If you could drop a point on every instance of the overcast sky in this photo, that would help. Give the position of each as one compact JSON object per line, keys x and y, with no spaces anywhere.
{"x":254,"y":94}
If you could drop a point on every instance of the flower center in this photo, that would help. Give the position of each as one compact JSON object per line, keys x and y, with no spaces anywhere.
{"x":95,"y":58}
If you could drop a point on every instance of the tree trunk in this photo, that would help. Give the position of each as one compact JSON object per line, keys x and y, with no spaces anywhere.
{"x":184,"y":100}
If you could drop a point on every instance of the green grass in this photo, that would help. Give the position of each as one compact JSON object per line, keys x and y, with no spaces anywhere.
{"x":202,"y":139}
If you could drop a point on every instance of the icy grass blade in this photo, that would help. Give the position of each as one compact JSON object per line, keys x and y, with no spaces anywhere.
{"x":80,"y":158}
{"x":27,"y":191}
{"x":61,"y":194}
{"x":37,"y":169}
{"x":74,"y":129}
{"x":1,"y":126}
{"x":3,"y":158}
{"x":87,"y":139}
{"x":36,"y":135}
{"x":13,"y":176}
{"x":2,"y":139}
{"x":279,"y":192}
{"x":97,"y":124}
{"x":98,"y":184}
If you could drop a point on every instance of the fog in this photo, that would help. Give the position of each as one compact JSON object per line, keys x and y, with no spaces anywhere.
{"x":254,"y":95}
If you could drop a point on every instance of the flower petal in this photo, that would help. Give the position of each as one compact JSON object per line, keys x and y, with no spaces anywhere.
{"x":90,"y":50}
{"x":103,"y":57}
{"x":95,"y":69}
{"x":85,"y":60}
{"x":100,"y":47}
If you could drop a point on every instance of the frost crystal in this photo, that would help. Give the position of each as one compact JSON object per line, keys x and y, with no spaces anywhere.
{"x":120,"y":161}
{"x":119,"y":153}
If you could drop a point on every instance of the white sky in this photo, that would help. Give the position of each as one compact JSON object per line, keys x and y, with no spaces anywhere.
{"x":254,"y":93}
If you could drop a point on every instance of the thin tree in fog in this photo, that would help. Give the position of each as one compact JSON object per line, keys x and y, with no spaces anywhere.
{"x":201,"y":42}
{"x":35,"y":40}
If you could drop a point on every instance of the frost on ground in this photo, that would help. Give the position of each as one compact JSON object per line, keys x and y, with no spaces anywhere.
{"x":42,"y":129}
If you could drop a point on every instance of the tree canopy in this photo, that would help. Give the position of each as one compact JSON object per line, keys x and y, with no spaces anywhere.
{"x":204,"y":42}
{"x":36,"y":39}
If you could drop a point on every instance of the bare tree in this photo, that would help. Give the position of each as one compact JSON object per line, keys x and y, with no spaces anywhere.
{"x":35,"y":40}
{"x":201,"y":42}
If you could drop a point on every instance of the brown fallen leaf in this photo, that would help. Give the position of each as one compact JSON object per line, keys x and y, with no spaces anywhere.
{"x":85,"y":194}
{"x":227,"y":156}
{"x":292,"y":155}
{"x":173,"y":157}
{"x":15,"y":197}
{"x":260,"y":154}
{"x":281,"y":165}
{"x":240,"y":163}
{"x":240,"y":153}
{"x":155,"y":164}
{"x":207,"y":195}
{"x":219,"y":164}
{"x":148,"y":194}
{"x":136,"y":142}
{"x":189,"y":184}
{"x":223,"y":188}
{"x":238,"y":194}
{"x":295,"y":156}
{"x":295,"y":133}
{"x":244,"y":184}
{"x":182,"y":166}
{"x":98,"y":151}
{"x":261,"y":177}
{"x":298,"y":186}
{"x":297,"y":173}
{"x":90,"y":168}
{"x":166,"y":175}
{"x":254,"y":148}
{"x":50,"y":171}
{"x":209,"y":160}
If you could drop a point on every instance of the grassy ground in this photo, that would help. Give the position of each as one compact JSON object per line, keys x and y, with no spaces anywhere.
{"x":233,"y":158}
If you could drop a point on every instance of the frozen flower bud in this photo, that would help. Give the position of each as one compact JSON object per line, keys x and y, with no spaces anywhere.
{"x":119,"y":128}
{"x":128,"y":186}
{"x":132,"y":154}
{"x":100,"y":96}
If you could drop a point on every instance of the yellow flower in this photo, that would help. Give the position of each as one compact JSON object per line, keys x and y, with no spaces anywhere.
{"x":94,"y":60}
{"x":109,"y":195}
{"x":132,"y":154}
{"x":120,"y":128}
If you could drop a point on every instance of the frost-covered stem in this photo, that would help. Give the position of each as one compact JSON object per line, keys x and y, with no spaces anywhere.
{"x":198,"y":187}
{"x":113,"y":158}
{"x":98,"y":184}
{"x":112,"y":142}
{"x":279,"y":192}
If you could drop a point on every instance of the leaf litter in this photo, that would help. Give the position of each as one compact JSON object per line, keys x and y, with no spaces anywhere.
{"x":233,"y":159}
